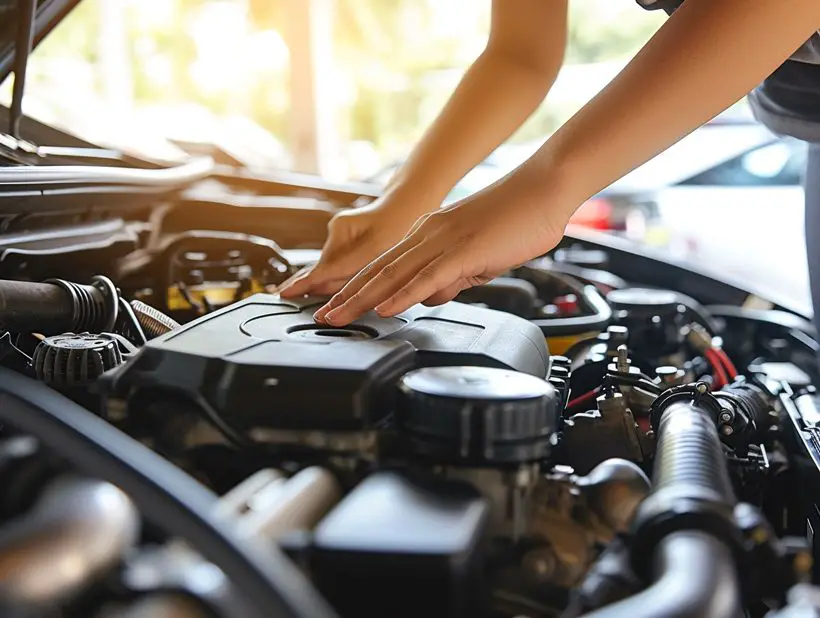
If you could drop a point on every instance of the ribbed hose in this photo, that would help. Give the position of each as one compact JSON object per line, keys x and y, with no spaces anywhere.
{"x":689,"y":455}
{"x":95,"y":305}
{"x":154,"y":323}
{"x":690,"y":482}
{"x":57,"y":306}
{"x":684,"y":531}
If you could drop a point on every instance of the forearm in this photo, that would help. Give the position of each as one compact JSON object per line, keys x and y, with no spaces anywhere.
{"x":707,"y":56}
{"x":496,"y":95}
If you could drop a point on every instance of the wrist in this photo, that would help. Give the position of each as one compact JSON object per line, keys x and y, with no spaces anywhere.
{"x":552,"y":188}
{"x":408,"y":200}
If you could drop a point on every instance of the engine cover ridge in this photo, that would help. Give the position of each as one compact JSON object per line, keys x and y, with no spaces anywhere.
{"x":263,"y":363}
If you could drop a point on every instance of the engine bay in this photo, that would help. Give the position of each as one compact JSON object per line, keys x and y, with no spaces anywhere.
{"x":572,"y":439}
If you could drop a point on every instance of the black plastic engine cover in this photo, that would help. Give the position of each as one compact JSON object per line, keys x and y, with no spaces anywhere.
{"x":263,"y":363}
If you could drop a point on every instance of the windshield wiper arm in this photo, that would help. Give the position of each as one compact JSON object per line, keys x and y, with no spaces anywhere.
{"x":27,"y":10}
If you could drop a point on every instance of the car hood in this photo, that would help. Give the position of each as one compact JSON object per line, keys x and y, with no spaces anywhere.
{"x":49,"y":14}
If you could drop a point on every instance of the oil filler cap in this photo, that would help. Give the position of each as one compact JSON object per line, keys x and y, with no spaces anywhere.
{"x":477,"y":415}
{"x":76,"y":359}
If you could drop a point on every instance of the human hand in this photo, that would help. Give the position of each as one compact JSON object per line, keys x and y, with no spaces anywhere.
{"x":355,"y":238}
{"x":447,"y":251}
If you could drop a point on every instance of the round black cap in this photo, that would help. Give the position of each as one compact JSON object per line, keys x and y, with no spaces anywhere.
{"x":75,"y":359}
{"x":477,"y":415}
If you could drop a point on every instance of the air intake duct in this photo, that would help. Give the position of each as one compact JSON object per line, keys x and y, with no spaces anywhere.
{"x":685,"y":528}
{"x":57,"y":306}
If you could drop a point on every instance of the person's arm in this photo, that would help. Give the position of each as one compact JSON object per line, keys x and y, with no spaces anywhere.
{"x":708,"y":55}
{"x":502,"y":88}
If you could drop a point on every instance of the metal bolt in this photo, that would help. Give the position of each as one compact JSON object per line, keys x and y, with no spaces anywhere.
{"x":725,"y":417}
{"x":623,"y":359}
{"x":727,"y":430}
{"x":702,"y":388}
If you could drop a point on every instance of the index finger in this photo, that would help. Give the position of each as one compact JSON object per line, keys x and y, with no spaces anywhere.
{"x":362,"y":277}
{"x":381,"y":284}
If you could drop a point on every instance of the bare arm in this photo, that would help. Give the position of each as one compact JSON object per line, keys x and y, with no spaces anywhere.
{"x":497,"y":94}
{"x":501,"y":89}
{"x":707,"y":56}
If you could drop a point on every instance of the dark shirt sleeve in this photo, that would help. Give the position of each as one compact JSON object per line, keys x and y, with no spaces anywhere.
{"x":660,"y":5}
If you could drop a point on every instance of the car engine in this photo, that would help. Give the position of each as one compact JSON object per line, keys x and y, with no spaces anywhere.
{"x":572,"y":439}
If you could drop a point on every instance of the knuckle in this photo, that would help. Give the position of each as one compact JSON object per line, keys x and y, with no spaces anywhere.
{"x":428,"y":272}
{"x":390,"y":271}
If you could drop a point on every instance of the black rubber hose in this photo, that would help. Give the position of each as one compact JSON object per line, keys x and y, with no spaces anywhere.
{"x":684,"y":532}
{"x":24,"y":306}
{"x":689,"y":456}
{"x":691,"y":489}
{"x":695,"y":578}
{"x":57,"y":306}
{"x":163,"y":493}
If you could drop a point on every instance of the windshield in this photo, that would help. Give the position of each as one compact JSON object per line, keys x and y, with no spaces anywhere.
{"x":344,"y":89}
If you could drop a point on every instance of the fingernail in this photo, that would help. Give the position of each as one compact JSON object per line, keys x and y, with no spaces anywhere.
{"x":332,"y":315}
{"x":381,"y":309}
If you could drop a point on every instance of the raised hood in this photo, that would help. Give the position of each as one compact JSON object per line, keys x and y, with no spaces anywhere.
{"x":49,"y":14}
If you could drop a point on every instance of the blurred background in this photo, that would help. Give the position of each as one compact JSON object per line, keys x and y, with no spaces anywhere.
{"x":343,"y":88}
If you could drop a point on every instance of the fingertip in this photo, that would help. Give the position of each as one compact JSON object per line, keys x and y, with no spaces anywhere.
{"x":383,"y":310}
{"x":293,"y":286}
{"x":292,"y":291}
{"x":332,"y":317}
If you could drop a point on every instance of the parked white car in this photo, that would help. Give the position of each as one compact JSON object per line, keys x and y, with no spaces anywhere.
{"x":743,"y":217}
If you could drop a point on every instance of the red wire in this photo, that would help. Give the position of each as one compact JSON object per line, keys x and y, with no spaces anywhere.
{"x":727,"y":363}
{"x":583,"y":398}
{"x":718,"y":372}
